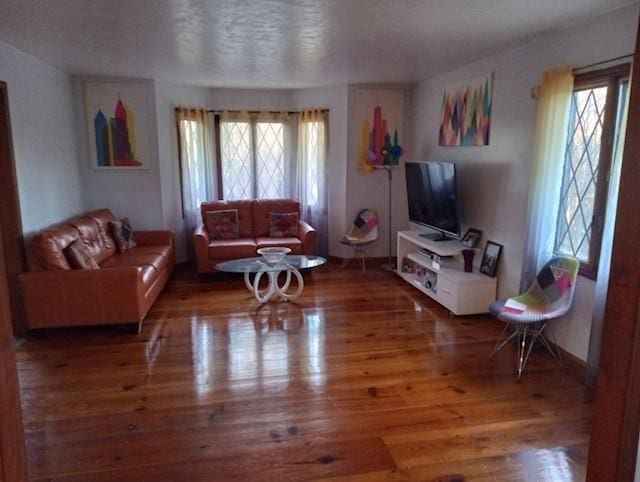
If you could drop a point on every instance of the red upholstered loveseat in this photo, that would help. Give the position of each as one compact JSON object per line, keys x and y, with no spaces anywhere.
{"x":121,"y":291}
{"x":253,"y":224}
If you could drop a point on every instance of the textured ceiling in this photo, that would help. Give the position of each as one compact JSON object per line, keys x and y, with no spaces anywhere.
{"x":278,"y":43}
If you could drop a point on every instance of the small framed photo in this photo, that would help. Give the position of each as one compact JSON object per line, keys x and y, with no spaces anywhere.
{"x":490,"y":258}
{"x":471,"y":238}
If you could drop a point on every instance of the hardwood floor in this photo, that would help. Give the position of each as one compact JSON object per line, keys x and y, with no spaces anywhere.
{"x":363,"y":379}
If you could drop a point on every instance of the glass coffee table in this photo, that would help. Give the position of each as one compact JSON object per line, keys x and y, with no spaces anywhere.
{"x":257,"y":266}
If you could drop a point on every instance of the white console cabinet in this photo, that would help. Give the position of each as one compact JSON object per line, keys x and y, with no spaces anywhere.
{"x":446,"y":282}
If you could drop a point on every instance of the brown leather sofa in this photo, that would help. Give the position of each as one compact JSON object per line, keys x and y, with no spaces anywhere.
{"x":121,"y":291}
{"x":253,"y":224}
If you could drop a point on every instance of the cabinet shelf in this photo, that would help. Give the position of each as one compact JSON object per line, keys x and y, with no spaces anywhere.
{"x":462,"y":293}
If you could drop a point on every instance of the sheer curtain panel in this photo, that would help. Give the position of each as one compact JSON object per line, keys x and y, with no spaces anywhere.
{"x":310,"y":169}
{"x":549,"y":144}
{"x":197,"y":164}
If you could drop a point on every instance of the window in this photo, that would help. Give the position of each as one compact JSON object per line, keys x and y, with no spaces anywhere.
{"x":252,"y":169}
{"x":236,"y":160}
{"x":270,"y":160}
{"x":595,"y":112}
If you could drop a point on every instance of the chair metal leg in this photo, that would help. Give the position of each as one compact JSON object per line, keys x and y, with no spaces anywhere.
{"x":502,"y":340}
{"x":524,"y":347}
{"x":522,"y":343}
{"x":345,"y":263}
{"x":359,"y":254}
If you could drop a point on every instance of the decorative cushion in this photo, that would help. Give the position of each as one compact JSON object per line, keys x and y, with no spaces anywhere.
{"x":122,"y":234}
{"x":78,"y":256}
{"x":223,"y":224}
{"x":283,"y":225}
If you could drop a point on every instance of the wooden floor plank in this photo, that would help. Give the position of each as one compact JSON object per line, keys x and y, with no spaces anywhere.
{"x":363,"y":379}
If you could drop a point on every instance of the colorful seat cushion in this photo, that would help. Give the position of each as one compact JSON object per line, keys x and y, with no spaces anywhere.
{"x":550,"y":295}
{"x":283,"y":225}
{"x":366,"y":220}
{"x":123,"y":234}
{"x":79,"y":257}
{"x":223,"y":224}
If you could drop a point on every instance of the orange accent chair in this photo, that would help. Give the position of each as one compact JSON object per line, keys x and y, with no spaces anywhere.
{"x":120,"y":292}
{"x":253,"y":224}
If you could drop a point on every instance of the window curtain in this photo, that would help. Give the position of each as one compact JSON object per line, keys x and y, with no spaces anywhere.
{"x":310,"y":171}
{"x":197,"y":164}
{"x":606,"y":249}
{"x":550,"y":141}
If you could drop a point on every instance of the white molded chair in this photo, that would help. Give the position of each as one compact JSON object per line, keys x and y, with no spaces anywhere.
{"x":364,"y":231}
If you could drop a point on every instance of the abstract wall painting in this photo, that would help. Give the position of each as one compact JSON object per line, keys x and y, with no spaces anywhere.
{"x":377,"y":147}
{"x":117,"y":124}
{"x":466,"y":113}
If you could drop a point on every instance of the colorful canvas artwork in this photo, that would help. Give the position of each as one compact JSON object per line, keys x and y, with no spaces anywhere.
{"x":376,"y":146}
{"x":466,"y":113}
{"x":115,"y":137}
{"x":115,"y":124}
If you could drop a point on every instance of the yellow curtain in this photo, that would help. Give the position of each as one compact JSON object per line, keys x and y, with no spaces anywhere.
{"x":549,"y":144}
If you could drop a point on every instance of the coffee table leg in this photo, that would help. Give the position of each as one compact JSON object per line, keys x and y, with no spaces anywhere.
{"x":273,"y":287}
{"x":282,"y":290}
{"x":247,"y":281}
{"x":254,"y":286}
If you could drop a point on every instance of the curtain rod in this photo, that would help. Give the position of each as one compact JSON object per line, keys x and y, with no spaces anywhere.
{"x":608,"y":61}
{"x":578,"y":70}
{"x":211,"y":111}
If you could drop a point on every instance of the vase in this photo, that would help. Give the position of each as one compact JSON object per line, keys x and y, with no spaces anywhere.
{"x":468,"y":255}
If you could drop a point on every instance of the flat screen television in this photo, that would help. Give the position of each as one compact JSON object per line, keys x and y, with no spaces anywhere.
{"x":433,"y":198}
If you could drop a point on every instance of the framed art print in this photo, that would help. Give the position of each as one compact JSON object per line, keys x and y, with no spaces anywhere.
{"x":471,"y":238}
{"x":490,"y":258}
{"x":117,"y":124}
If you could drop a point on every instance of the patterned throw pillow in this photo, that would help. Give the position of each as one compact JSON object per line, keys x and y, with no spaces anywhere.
{"x":223,"y":224}
{"x":283,"y":225}
{"x":123,"y":234}
{"x":78,"y":256}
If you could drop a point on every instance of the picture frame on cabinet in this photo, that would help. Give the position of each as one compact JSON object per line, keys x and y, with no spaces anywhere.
{"x":471,"y":238}
{"x":490,"y":258}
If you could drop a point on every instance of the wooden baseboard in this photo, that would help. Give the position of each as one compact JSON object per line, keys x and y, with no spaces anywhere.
{"x":576,"y":367}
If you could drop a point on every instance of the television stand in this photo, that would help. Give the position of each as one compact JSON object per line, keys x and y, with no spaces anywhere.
{"x":436,"y":237}
{"x":446,"y":281}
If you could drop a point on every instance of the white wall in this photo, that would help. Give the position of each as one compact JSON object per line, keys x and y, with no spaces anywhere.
{"x":44,"y":139}
{"x":258,"y":99}
{"x":494,"y":180}
{"x":336,"y":100}
{"x":168,"y":97}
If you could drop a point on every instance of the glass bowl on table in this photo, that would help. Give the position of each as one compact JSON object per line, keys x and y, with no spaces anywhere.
{"x":274,"y":255}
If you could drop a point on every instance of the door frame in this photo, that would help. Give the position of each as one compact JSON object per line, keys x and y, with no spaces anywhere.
{"x":614,"y":434}
{"x":13,"y":462}
{"x":10,"y":217}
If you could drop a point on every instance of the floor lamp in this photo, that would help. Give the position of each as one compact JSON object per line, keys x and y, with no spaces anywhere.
{"x":390,"y":265}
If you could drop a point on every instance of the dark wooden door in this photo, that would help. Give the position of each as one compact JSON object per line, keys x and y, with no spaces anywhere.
{"x":10,"y":220}
{"x":13,"y":465}
{"x":614,"y":436}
